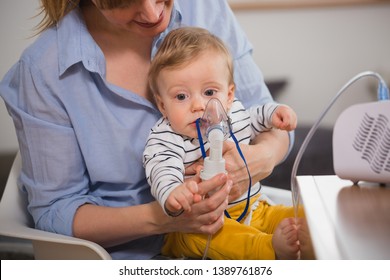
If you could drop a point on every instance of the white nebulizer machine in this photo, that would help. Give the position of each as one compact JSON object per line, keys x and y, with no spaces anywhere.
{"x":361,"y":139}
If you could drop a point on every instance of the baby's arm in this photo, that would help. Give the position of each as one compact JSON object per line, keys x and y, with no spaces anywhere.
{"x":284,"y":118}
{"x":182,"y":197}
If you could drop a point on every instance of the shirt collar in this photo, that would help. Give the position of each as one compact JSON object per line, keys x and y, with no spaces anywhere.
{"x":75,"y":43}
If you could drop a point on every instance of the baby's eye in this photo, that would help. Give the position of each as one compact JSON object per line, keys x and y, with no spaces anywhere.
{"x":181,"y":96}
{"x":210,"y":92}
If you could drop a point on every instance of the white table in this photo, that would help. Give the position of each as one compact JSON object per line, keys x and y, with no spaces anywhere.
{"x":346,"y":221}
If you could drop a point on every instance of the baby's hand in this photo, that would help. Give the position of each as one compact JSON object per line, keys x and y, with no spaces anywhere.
{"x":284,"y":118}
{"x":182,"y":197}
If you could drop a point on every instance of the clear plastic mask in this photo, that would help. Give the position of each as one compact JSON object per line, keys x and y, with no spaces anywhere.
{"x":214,"y":117}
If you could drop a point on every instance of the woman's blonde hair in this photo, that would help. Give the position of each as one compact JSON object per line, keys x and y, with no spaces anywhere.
{"x":54,"y":10}
{"x":182,"y":46}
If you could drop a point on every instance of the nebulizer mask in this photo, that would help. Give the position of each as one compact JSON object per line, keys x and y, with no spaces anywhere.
{"x":215,"y":127}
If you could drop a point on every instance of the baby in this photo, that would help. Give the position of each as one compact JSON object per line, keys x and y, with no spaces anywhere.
{"x":191,"y":67}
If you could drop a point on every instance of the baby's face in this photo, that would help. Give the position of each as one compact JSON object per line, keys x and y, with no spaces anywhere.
{"x":185,"y":91}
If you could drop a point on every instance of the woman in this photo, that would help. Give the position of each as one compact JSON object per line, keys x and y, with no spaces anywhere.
{"x":79,"y":100}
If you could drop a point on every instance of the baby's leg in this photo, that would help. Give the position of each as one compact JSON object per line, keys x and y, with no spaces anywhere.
{"x":234,"y":241}
{"x":279,"y":221}
{"x":285,"y":240}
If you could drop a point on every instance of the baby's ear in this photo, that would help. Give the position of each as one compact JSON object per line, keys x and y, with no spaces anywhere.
{"x":231,"y":94}
{"x":160,"y":104}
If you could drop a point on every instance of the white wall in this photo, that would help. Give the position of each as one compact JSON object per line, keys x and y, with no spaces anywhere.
{"x":317,"y":50}
{"x":16,"y":28}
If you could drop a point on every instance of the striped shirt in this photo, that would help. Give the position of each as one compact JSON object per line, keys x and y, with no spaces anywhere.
{"x":167,"y":153}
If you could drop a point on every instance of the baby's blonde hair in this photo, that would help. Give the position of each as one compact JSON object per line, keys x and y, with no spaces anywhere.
{"x":183,"y":45}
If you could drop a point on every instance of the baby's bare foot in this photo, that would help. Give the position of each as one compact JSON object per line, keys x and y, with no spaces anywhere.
{"x":285,"y":240}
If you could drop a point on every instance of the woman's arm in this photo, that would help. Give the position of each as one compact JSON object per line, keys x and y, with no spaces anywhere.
{"x":113,"y":226}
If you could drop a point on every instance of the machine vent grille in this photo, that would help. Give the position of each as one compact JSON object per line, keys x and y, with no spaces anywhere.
{"x":372,"y":140}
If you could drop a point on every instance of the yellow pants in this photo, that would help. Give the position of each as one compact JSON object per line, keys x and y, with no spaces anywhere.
{"x":235,"y":241}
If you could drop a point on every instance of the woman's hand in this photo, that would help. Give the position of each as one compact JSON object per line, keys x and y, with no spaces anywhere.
{"x":207,"y":215}
{"x":266,"y":151}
